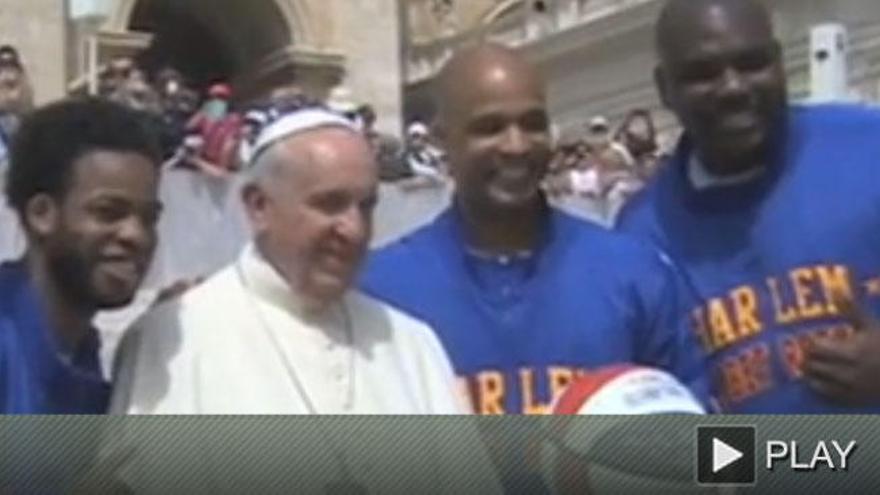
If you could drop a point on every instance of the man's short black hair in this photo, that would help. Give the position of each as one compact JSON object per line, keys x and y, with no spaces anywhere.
{"x":51,"y":139}
{"x":367,"y":111}
{"x":8,"y":51}
{"x":9,"y":58}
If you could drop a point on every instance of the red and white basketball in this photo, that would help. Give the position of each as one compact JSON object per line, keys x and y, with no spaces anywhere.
{"x":627,"y":389}
{"x":609,"y":454}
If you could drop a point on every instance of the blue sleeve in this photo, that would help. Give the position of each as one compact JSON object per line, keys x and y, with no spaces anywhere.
{"x":377,"y":278}
{"x":624,"y":219}
{"x":668,"y":341}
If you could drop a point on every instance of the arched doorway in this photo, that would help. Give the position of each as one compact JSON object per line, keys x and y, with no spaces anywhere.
{"x":209,"y":40}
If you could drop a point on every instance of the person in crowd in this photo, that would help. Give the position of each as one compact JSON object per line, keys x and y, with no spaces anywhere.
{"x":216,"y":130}
{"x":424,"y":160}
{"x":135,"y":92}
{"x":281,"y":331}
{"x":83,"y":180}
{"x":16,"y":98}
{"x":254,"y":120}
{"x":281,"y":99}
{"x":616,"y":179}
{"x":569,"y":166}
{"x":637,"y":133}
{"x":770,"y":213}
{"x":169,"y":82}
{"x":610,"y":154}
{"x":117,"y":72}
{"x":556,"y":183}
{"x":388,"y":149}
{"x":178,"y":108}
{"x":9,"y":55}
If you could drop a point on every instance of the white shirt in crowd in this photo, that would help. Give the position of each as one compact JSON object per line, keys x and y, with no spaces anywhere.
{"x":426,"y":162}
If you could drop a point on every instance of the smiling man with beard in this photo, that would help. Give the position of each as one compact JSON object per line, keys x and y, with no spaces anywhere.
{"x":83,"y":180}
{"x":771,"y":213}
{"x":523,"y":296}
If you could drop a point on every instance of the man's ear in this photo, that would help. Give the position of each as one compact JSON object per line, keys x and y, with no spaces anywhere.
{"x":660,"y":82}
{"x":41,"y":215}
{"x":256,"y":204}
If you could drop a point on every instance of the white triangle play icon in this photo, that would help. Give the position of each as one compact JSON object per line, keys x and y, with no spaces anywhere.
{"x":723,"y":455}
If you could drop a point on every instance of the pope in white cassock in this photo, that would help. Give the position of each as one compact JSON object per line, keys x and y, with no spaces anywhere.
{"x":281,"y":331}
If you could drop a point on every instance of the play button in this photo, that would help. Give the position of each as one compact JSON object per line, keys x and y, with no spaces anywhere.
{"x":723,"y":455}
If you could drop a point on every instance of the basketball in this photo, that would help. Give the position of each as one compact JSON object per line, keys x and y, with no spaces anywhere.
{"x":608,"y":453}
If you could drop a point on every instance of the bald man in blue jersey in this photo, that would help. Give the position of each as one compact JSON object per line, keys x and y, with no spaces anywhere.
{"x":523,"y":297}
{"x":772,"y":215}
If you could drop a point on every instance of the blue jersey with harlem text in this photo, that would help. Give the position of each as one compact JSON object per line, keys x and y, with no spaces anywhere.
{"x":518,"y":329}
{"x":35,"y":378}
{"x":762,"y":259}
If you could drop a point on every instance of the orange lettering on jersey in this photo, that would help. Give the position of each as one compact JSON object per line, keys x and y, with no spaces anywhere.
{"x":528,"y":392}
{"x":794,"y":348}
{"x":745,"y":304}
{"x":746,"y":374}
{"x":560,"y":379}
{"x":784,"y":315}
{"x":835,"y":280}
{"x":490,"y":386}
{"x":698,"y":321}
{"x":803,"y":281}
{"x":723,"y":333}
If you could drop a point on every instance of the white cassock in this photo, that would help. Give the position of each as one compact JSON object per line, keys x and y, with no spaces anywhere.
{"x":239,"y":344}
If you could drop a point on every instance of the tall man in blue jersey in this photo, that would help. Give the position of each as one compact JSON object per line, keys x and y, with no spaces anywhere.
{"x":522,"y":296}
{"x":83,"y":180}
{"x":771,"y":212}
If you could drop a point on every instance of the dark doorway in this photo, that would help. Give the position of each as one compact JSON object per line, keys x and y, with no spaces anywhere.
{"x":209,"y":40}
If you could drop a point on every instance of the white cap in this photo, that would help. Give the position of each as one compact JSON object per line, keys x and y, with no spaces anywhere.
{"x":296,"y":123}
{"x":258,"y":117}
{"x":599,"y":121}
{"x":417,"y":129}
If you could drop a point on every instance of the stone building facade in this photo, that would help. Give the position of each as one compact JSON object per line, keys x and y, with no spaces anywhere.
{"x":598,"y":55}
{"x":255,"y":44}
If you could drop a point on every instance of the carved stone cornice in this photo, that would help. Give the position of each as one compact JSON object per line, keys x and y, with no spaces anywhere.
{"x":292,"y":64}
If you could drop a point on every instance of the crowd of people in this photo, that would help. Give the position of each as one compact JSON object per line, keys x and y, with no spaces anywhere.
{"x":206,"y":132}
{"x":605,"y":166}
{"x":210,"y":134}
{"x":596,"y":162}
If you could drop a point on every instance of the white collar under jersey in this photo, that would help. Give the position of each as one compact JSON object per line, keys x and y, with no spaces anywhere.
{"x":701,"y":179}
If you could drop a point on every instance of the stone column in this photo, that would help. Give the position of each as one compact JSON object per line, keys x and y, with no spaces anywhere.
{"x":369,"y":35}
{"x":38,"y":29}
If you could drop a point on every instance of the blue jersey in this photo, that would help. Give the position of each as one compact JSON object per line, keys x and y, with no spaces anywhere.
{"x":762,"y":259}
{"x":34,"y":378}
{"x":518,"y":330}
